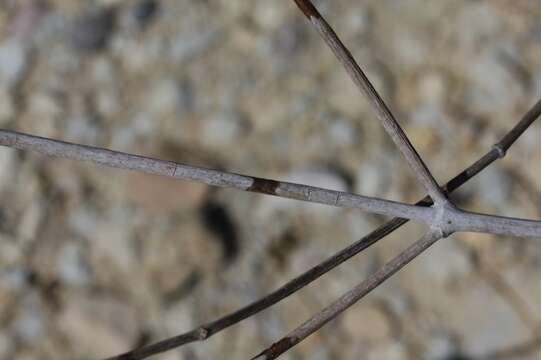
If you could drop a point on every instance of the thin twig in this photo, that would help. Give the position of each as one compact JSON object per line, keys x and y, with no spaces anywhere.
{"x":383,"y":112}
{"x":466,"y":221}
{"x":445,"y":217}
{"x":349,"y":298}
{"x":307,"y":193}
{"x":330,"y":263}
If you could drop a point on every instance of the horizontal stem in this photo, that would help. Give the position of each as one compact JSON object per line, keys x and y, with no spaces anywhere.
{"x":466,"y":221}
{"x":178,"y":171}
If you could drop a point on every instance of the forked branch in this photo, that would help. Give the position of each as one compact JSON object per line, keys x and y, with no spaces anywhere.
{"x":443,"y":217}
{"x":349,"y":298}
{"x":382,"y":110}
{"x":333,"y":261}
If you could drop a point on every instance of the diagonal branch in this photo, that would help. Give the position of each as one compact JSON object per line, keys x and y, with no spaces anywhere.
{"x":383,"y":112}
{"x":307,"y":193}
{"x":330,"y":263}
{"x":349,"y":298}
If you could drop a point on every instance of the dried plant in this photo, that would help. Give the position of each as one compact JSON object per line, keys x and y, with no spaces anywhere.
{"x":436,"y":211}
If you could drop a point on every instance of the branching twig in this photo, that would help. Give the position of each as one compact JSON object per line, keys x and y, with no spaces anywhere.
{"x":349,"y":298}
{"x":330,"y":263}
{"x":382,"y":110}
{"x":443,"y":217}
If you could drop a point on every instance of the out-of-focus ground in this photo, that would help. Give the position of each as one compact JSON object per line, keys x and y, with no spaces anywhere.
{"x":95,"y":261}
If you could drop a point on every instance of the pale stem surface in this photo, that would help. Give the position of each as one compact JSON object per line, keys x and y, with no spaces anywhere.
{"x":382,"y":110}
{"x":444,"y":218}
{"x":335,"y":260}
{"x":121,"y":160}
{"x":349,"y":298}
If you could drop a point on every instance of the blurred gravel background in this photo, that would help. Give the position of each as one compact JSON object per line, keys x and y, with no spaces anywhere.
{"x":95,"y":261}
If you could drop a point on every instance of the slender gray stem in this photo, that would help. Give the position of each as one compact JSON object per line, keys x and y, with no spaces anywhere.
{"x":383,"y":112}
{"x":460,"y":221}
{"x":466,"y":221}
{"x":208,"y":329}
{"x":349,"y":298}
{"x":307,"y":193}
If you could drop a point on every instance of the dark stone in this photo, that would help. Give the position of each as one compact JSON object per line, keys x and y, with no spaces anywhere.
{"x":217,"y":219}
{"x":144,"y":11}
{"x":92,"y":30}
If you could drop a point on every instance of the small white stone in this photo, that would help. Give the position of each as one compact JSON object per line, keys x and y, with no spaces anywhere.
{"x":222,"y":129}
{"x":268,"y":15}
{"x":388,"y":351}
{"x":374,"y":177}
{"x":70,"y":266}
{"x":495,"y":187}
{"x":432,"y":87}
{"x":13,"y":62}
{"x":163,"y":97}
{"x":29,"y":325}
{"x":7,"y":164}
{"x":358,"y":21}
{"x":447,"y":261}
{"x":367,"y":323}
{"x":6,"y":346}
{"x":439,"y":347}
{"x":7,"y":107}
{"x":342,"y":133}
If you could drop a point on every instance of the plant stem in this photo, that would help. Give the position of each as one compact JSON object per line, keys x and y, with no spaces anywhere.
{"x":121,"y":160}
{"x":383,"y":112}
{"x":349,"y":298}
{"x":328,"y":264}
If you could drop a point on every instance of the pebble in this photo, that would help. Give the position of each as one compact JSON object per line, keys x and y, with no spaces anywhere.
{"x":341,"y":133}
{"x":83,"y":221}
{"x":8,"y":159}
{"x":187,"y":47}
{"x":87,"y":322}
{"x":367,"y":323}
{"x":6,"y":346}
{"x":494,"y":187}
{"x":7,"y":107}
{"x":483,"y":320}
{"x":491,"y":83}
{"x":439,"y":346}
{"x":269,"y":15}
{"x":29,"y":325}
{"x":14,"y":63}
{"x":82,"y":129}
{"x":164,"y":97}
{"x":374,"y":177}
{"x":70,"y":266}
{"x":358,"y":22}
{"x":92,"y":30}
{"x":144,"y":11}
{"x":448,"y":261}
{"x":518,"y":276}
{"x":222,"y":130}
{"x":388,"y":351}
{"x":432,"y":87}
